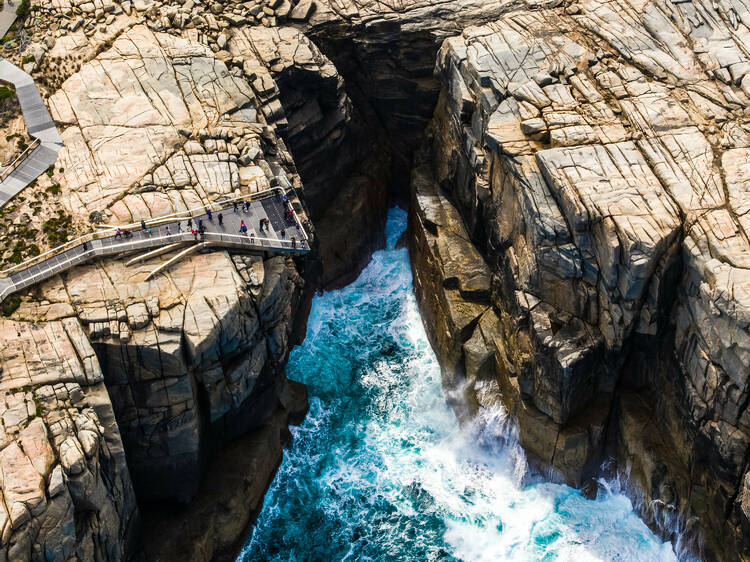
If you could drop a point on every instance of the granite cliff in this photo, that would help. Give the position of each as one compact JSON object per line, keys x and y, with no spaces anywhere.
{"x":581,"y":250}
{"x":576,"y":177}
{"x":118,"y":390}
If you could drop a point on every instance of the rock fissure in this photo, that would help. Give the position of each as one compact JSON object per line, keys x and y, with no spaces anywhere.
{"x":574,"y":255}
{"x":603,"y":272}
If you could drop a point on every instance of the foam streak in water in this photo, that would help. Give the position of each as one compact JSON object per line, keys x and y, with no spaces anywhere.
{"x":380,"y":468}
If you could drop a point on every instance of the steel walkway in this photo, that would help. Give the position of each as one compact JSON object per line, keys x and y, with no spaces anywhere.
{"x":7,"y":16}
{"x":42,"y":153}
{"x":284,"y":233}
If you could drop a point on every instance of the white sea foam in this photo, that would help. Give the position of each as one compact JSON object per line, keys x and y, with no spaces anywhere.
{"x":380,"y":469}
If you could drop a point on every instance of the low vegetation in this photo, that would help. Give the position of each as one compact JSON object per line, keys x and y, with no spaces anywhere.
{"x":6,"y":93}
{"x":10,"y":305}
{"x":23,"y":10}
{"x":57,"y":230}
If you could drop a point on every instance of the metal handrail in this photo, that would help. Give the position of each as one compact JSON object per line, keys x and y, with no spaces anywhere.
{"x":11,"y":167}
{"x":160,"y":220}
{"x":5,"y":292}
{"x":120,"y":246}
{"x":92,"y":236}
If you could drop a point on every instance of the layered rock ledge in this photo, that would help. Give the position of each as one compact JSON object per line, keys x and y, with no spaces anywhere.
{"x":581,"y":252}
{"x":119,"y":390}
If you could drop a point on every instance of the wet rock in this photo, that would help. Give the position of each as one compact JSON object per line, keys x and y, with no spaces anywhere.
{"x":611,"y":218}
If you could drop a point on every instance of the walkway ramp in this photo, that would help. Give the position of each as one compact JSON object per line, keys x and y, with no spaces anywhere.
{"x":35,"y":161}
{"x":154,"y":253}
{"x":7,"y":16}
{"x":282,"y":233}
{"x":177,"y":257}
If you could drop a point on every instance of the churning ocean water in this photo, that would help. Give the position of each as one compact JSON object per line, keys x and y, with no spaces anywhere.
{"x":381,"y":470}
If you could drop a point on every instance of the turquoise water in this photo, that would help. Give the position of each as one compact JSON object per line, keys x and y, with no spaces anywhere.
{"x":380,"y":469}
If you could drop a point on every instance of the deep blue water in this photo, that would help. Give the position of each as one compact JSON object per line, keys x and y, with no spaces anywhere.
{"x":381,"y":470}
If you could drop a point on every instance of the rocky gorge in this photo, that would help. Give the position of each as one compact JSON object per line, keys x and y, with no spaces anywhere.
{"x":579,"y":247}
{"x":575,"y":174}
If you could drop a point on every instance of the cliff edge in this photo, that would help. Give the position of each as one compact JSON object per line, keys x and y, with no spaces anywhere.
{"x":581,"y":249}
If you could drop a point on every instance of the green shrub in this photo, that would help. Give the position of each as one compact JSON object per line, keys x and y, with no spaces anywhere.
{"x":7,"y":93}
{"x":11,"y":304}
{"x":54,"y":189}
{"x":27,"y":59}
{"x":23,"y":9}
{"x":18,"y":249}
{"x":56,"y":229}
{"x":50,"y":170}
{"x":28,"y":234}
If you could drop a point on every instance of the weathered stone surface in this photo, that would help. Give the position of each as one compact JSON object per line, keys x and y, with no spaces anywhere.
{"x":145,"y":87}
{"x":65,"y":481}
{"x":607,"y":193}
{"x":102,"y":365}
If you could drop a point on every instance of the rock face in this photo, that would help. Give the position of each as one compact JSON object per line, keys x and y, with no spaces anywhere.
{"x":336,"y":151}
{"x":578,"y":178}
{"x":580,"y":247}
{"x":234,"y":482}
{"x":66,"y":487}
{"x":185,"y":357}
{"x":118,"y":387}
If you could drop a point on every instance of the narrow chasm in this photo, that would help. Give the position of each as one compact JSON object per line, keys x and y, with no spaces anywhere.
{"x":406,"y":450}
{"x":355,"y":110}
{"x":381,"y":467}
{"x":498,"y":249}
{"x":568,"y":203}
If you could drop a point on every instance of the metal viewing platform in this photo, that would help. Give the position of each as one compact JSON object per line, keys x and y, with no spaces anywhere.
{"x":43,"y":150}
{"x":284,"y":233}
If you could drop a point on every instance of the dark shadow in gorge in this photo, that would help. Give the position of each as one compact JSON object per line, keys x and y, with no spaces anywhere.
{"x":356,"y":160}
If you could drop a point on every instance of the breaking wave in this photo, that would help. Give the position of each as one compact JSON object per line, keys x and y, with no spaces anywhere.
{"x":381,"y":470}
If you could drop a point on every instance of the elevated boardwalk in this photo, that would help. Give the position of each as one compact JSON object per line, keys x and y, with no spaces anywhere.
{"x":284,"y":234}
{"x":42,"y":153}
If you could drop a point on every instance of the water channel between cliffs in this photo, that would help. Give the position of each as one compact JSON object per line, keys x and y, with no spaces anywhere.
{"x":380,"y":469}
